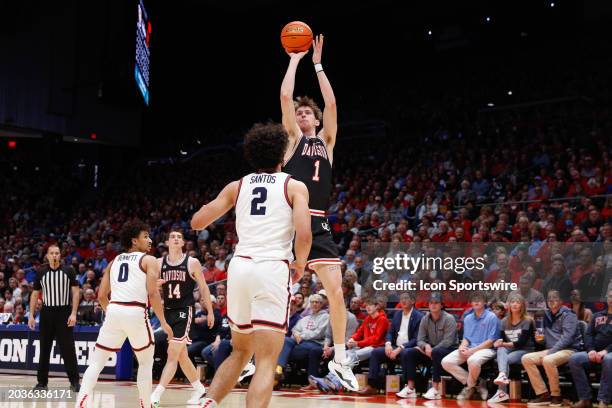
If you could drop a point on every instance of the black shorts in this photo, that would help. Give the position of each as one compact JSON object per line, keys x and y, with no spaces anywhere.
{"x":324,"y":250}
{"x":181,"y":322}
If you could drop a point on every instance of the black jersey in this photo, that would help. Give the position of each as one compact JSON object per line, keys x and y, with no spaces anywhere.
{"x":310,"y":165}
{"x":179,"y":285}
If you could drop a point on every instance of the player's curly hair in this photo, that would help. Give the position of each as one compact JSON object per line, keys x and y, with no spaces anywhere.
{"x":265,"y":145}
{"x":309,"y":102}
{"x":129,"y":231}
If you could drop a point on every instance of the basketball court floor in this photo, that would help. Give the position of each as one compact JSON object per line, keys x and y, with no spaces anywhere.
{"x":114,"y":394}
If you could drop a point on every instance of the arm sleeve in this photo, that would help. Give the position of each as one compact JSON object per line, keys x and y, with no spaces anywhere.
{"x":570,"y":323}
{"x":493,"y":328}
{"x":359,"y":333}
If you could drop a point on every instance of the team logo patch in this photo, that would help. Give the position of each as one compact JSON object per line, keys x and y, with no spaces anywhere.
{"x":325,"y":226}
{"x":183,"y":315}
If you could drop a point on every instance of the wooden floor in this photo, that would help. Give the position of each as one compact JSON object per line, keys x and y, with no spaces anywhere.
{"x":112,"y":394}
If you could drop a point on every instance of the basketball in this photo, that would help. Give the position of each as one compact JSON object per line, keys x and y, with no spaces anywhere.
{"x":296,"y":37}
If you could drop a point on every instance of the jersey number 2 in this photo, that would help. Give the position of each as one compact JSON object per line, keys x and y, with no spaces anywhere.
{"x":123,"y":272}
{"x":261,"y":194}
{"x":176,"y":292}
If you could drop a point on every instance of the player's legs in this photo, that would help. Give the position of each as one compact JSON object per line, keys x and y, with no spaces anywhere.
{"x":331,"y":277}
{"x":228,"y":373}
{"x":90,"y":377}
{"x":145,"y":375}
{"x":268,"y":344}
{"x":175,"y":348}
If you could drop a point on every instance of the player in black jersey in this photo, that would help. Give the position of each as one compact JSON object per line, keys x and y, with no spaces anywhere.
{"x":309,"y":159}
{"x":179,"y":274}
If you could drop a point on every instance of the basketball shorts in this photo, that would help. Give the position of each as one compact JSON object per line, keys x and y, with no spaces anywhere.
{"x":324,"y":250}
{"x":257,"y":294}
{"x":125,"y":320}
{"x":181,"y":322}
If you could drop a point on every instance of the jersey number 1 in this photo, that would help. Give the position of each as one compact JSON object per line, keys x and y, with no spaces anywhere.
{"x":176,"y":292}
{"x":315,"y":176}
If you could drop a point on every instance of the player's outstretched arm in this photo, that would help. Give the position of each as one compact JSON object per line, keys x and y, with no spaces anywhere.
{"x":104,"y":290}
{"x":216,"y":208}
{"x":330,"y":112}
{"x":298,"y":193}
{"x":198,"y":275}
{"x":286,"y":97}
{"x":151,"y":268}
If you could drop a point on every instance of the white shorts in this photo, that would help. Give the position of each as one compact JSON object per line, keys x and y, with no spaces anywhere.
{"x":257,"y":295}
{"x":125,"y":320}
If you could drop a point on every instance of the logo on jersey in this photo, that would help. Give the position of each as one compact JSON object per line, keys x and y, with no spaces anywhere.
{"x":183,"y":315}
{"x":325,"y":226}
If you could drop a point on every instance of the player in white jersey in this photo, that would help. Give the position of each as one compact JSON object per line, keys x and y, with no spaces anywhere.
{"x":271,"y":209}
{"x":131,"y":280}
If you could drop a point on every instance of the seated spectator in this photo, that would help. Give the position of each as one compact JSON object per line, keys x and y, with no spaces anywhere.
{"x":88,"y":298}
{"x":294,"y":314}
{"x":220,"y":289}
{"x":401,"y":339}
{"x":592,"y":285}
{"x":516,"y":340}
{"x":220,"y":349}
{"x":598,"y":345}
{"x":222,"y":305}
{"x":558,"y":280}
{"x":561,"y":340}
{"x":351,"y":276}
{"x":201,"y":335}
{"x":306,"y":341}
{"x":481,"y":328}
{"x":355,"y":308}
{"x":499,"y":309}
{"x":533,"y":298}
{"x":582,"y":312}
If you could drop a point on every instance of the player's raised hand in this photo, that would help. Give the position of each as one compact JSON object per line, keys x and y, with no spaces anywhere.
{"x":317,"y":49}
{"x":296,"y":55}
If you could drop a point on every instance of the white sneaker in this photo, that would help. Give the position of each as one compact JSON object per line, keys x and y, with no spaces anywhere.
{"x":465,"y":394}
{"x":482,"y":389}
{"x":432,"y":394}
{"x":345,"y":375}
{"x":208,"y":403}
{"x":407,"y":392}
{"x":500,"y":396}
{"x":502,"y":379}
{"x":155,"y":397}
{"x":247,"y":371}
{"x":196,"y":396}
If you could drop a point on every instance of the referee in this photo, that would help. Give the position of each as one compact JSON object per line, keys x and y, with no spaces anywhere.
{"x":57,"y":317}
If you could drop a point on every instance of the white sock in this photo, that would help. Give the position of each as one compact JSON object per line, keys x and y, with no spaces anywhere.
{"x":197,"y":385}
{"x":159,"y":390}
{"x":208,"y":403}
{"x":90,"y":378}
{"x":145,"y":375}
{"x":339,"y":353}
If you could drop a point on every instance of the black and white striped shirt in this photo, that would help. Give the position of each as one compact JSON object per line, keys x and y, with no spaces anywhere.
{"x":55,"y":285}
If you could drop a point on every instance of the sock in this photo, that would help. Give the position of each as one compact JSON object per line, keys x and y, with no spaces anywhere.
{"x":208,"y":403}
{"x":90,"y":378}
{"x":159,"y":390}
{"x":339,"y":353}
{"x":197,"y":385}
{"x":145,"y":375}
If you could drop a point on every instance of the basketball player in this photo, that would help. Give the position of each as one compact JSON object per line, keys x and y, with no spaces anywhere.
{"x":271,"y":208}
{"x":131,"y":279}
{"x":309,"y":159}
{"x":179,"y":275}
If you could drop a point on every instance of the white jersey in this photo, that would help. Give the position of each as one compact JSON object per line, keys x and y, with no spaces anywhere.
{"x":128,"y":281}
{"x":264,"y":217}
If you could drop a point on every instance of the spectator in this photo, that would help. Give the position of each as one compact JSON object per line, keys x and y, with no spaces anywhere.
{"x":592,"y":285}
{"x":598,"y":345}
{"x":201,"y":335}
{"x":561,"y":340}
{"x":533,"y":298}
{"x":88,"y":298}
{"x":582,"y":312}
{"x":480,"y":330}
{"x":558,"y":279}
{"x":355,"y":308}
{"x":517,"y":330}
{"x":306,"y":341}
{"x":400,"y":342}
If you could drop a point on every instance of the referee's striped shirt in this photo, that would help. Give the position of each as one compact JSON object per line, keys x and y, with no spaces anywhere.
{"x":55,"y":285}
